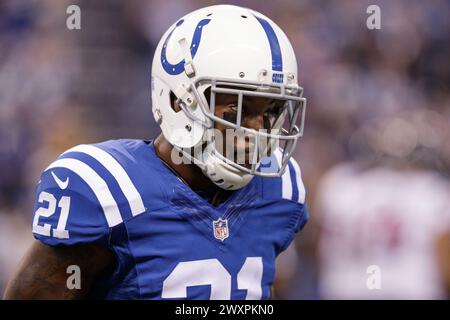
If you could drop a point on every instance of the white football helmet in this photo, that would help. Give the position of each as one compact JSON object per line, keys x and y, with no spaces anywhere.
{"x":233,"y":50}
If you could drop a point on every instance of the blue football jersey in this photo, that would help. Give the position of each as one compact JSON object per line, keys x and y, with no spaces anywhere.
{"x":169,"y":242}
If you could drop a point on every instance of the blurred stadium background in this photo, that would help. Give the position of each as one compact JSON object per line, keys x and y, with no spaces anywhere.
{"x":377,"y":126}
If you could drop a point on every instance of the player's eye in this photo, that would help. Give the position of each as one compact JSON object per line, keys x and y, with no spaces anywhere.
{"x":230,"y":114}
{"x":233,"y":107}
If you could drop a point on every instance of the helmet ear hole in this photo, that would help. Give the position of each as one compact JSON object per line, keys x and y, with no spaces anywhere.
{"x":207,"y":95}
{"x":173,"y":103}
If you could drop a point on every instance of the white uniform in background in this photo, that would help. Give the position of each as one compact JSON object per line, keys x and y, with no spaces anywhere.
{"x":382,"y":217}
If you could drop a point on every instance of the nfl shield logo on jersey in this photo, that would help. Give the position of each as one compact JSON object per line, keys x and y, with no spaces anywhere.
{"x":220,"y":229}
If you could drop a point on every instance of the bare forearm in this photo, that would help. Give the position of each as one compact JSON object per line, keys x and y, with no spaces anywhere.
{"x":30,"y":285}
{"x":43,"y":273}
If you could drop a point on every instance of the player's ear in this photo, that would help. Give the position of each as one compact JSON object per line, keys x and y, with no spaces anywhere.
{"x":207,"y":94}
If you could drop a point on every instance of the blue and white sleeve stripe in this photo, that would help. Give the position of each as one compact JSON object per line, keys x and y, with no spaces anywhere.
{"x":291,"y":181}
{"x":97,"y":184}
{"x":106,"y":177}
{"x":118,"y":172}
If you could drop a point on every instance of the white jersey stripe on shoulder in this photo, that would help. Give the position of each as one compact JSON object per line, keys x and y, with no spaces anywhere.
{"x":97,"y":184}
{"x":118,"y":172}
{"x":300,"y":185}
{"x":285,"y":178}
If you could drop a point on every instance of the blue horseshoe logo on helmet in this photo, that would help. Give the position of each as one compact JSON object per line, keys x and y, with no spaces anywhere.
{"x":175,"y":69}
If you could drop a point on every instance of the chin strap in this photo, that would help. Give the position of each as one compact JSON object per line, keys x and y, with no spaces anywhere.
{"x":223,"y":175}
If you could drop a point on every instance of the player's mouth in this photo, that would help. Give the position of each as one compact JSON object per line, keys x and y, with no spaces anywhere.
{"x":244,"y":156}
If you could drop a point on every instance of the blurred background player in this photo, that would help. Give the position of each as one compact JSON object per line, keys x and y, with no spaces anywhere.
{"x":389,"y":209}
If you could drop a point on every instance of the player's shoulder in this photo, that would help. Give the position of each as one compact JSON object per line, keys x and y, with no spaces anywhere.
{"x":110,"y":151}
{"x":285,"y":195}
{"x":101,"y":173}
{"x":90,"y":189}
{"x":289,"y":186}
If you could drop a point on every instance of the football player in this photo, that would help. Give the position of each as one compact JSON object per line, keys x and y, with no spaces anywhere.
{"x":202,"y":211}
{"x":385,"y":215}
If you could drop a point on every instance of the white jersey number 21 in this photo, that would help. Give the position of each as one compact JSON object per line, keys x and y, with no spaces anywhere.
{"x":212,"y":272}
